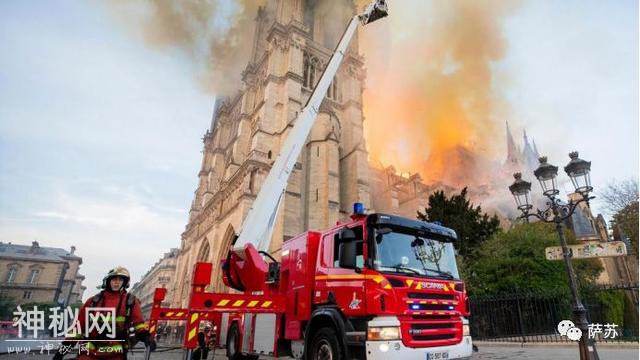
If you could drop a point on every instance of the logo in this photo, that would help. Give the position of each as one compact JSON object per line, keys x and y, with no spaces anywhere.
{"x":595,"y":331}
{"x":568,"y":328}
{"x":64,"y":322}
{"x":565,"y":325}
{"x":431,"y":285}
{"x":355,"y":303}
{"x":574,"y":334}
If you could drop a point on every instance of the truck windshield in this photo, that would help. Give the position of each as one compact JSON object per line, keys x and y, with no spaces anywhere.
{"x":410,"y":254}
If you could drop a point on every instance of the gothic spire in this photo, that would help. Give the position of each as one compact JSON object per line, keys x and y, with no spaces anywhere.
{"x":535,"y":148}
{"x":512,"y":150}
{"x":528,"y":154}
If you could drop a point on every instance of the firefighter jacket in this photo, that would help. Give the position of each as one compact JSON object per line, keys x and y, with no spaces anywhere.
{"x":128,"y":315}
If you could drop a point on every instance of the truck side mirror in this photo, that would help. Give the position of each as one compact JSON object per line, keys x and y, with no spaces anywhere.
{"x":348,"y":249}
{"x":348,"y":255}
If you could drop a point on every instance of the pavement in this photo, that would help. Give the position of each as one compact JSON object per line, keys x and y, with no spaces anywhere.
{"x":555,"y":351}
{"x":487,"y":351}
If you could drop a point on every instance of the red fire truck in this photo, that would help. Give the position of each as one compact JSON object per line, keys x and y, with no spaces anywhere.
{"x":378,"y":286}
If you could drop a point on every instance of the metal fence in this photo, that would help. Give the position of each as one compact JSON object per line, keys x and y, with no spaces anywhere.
{"x":534,"y":317}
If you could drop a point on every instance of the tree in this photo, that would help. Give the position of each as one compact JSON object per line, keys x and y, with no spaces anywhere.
{"x":621,"y":199}
{"x":627,"y":222}
{"x":7,"y":307}
{"x":514,"y":261}
{"x":618,"y":195}
{"x":457,"y":212}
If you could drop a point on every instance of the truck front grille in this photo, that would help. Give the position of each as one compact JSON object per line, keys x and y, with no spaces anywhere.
{"x":433,"y":332}
{"x":433,"y":318}
{"x":416,"y":328}
{"x":430,"y":296}
{"x":434,"y":337}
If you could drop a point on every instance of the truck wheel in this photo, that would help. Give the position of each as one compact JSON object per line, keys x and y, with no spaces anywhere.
{"x":324,"y":345}
{"x":233,"y":342}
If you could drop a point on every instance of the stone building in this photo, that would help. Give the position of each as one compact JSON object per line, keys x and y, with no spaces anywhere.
{"x":401,"y":193}
{"x":40,"y":274}
{"x":161,"y":275}
{"x":291,"y":46}
{"x":620,"y":270}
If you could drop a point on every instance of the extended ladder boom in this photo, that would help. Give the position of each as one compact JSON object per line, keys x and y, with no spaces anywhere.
{"x":257,"y":227}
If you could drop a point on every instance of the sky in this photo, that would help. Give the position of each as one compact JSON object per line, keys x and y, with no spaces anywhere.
{"x":100,"y":135}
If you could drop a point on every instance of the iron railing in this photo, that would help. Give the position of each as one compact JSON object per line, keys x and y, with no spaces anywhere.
{"x":534,"y":317}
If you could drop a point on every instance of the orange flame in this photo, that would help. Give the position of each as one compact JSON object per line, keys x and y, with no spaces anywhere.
{"x":430,"y":104}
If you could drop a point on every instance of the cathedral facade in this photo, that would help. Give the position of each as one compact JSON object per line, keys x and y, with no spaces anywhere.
{"x":291,"y":46}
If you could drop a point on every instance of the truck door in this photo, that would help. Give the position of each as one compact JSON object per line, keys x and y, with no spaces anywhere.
{"x":336,"y":285}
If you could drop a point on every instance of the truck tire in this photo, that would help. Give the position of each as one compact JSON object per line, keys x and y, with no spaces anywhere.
{"x":324,"y":345}
{"x":233,"y":342}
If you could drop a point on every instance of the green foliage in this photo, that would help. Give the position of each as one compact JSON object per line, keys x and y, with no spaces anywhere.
{"x":627,"y":219}
{"x":630,"y":314}
{"x":7,"y":307}
{"x":612,"y":306}
{"x":471,"y":225}
{"x":514,"y":261}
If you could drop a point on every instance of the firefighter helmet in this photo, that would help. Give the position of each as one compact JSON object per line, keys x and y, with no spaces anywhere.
{"x":118,"y":271}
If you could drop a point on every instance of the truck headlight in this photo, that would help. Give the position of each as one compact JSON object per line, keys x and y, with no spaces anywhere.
{"x":465,"y":330}
{"x":383,"y":333}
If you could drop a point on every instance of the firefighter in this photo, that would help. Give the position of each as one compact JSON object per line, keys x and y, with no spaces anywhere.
{"x":130,"y":325}
{"x":202,"y":351}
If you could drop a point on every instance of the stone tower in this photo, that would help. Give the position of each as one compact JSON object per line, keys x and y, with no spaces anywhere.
{"x":293,"y":41}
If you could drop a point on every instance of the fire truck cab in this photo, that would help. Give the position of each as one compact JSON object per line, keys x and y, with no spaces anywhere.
{"x":378,"y":286}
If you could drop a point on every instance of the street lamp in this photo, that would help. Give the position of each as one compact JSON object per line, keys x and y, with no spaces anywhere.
{"x":578,"y":170}
{"x":520,"y":190}
{"x":557,"y":212}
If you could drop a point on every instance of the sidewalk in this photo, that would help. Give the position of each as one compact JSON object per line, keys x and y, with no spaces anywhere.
{"x":568,"y":345}
{"x":549,"y":351}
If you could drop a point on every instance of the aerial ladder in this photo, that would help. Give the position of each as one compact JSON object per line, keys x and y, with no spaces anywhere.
{"x":244,"y":269}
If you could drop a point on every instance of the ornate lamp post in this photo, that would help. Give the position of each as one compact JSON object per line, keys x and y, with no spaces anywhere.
{"x":557,"y":212}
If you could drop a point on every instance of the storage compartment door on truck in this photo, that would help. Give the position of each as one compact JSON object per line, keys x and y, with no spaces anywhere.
{"x":339,"y":285}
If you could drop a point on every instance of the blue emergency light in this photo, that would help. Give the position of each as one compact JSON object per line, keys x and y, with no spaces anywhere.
{"x":358,"y":208}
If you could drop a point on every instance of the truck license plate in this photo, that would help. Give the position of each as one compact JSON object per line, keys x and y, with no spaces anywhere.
{"x":440,"y":355}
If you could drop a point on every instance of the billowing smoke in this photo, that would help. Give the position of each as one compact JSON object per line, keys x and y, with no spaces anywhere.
{"x":430,"y":104}
{"x":215,"y":35}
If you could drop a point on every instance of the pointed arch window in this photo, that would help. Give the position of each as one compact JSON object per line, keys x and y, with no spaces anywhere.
{"x":203,"y":254}
{"x":225,"y":243}
{"x":310,"y":69}
{"x":332,"y":93}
